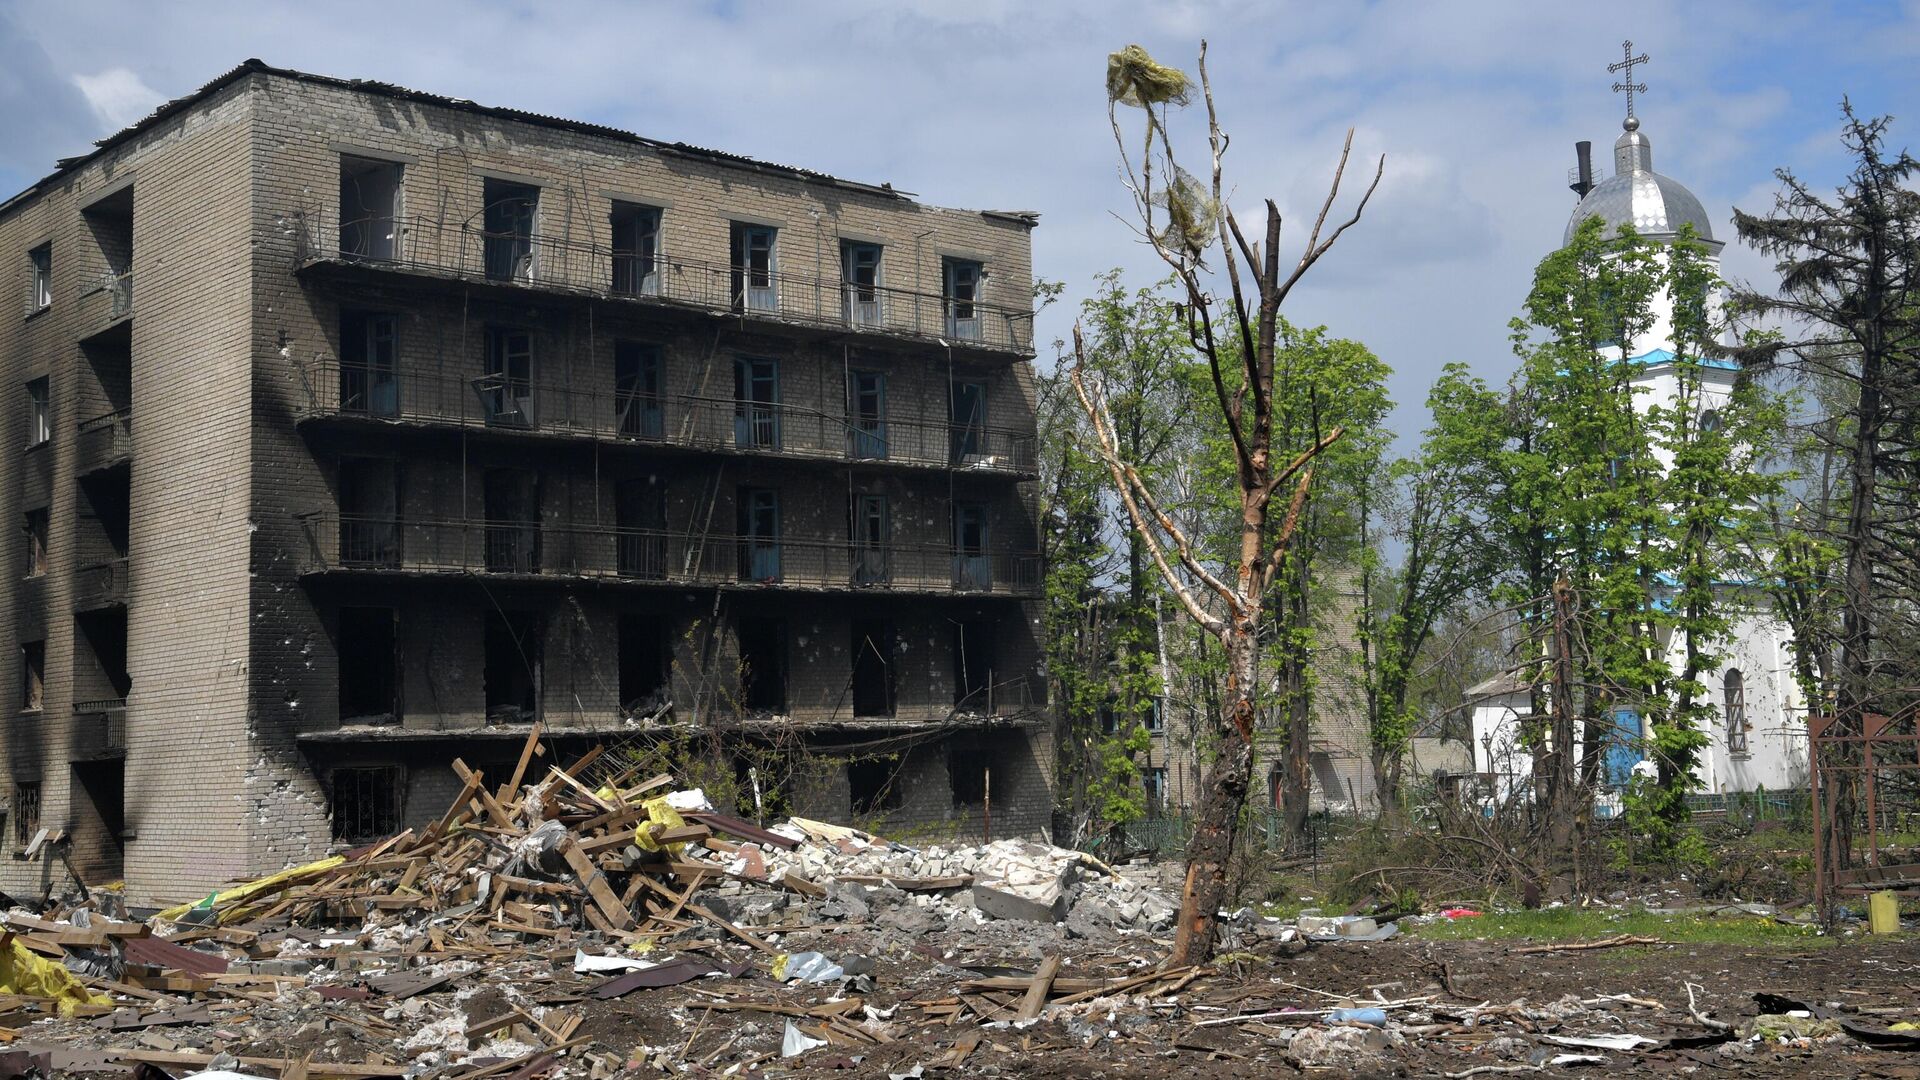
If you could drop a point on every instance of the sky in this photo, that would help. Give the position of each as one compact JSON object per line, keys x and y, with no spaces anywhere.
{"x":1000,"y":104}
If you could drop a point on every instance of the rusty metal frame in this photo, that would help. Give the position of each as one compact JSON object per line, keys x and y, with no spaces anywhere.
{"x":1829,"y":879}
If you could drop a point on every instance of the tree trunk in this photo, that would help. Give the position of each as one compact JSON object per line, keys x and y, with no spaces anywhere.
{"x":1562,"y":808}
{"x":1222,"y":795}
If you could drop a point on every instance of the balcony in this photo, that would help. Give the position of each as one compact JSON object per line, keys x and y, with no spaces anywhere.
{"x":714,"y":425}
{"x":103,"y":442}
{"x":99,"y":730}
{"x":342,"y":543}
{"x":101,"y":585}
{"x":105,"y":304}
{"x":466,"y":252}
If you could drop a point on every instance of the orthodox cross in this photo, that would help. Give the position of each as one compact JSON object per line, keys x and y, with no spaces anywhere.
{"x":1631,"y":87}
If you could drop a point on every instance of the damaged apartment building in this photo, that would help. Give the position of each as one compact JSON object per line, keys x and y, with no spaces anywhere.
{"x":362,"y":429}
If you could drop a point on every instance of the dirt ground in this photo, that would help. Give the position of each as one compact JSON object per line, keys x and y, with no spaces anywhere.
{"x":1457,"y":1005}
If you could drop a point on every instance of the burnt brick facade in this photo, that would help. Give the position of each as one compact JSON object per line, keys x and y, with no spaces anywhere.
{"x":363,"y":428}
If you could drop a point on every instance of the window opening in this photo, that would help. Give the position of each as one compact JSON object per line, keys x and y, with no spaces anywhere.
{"x":512,"y":508}
{"x":860,"y":274}
{"x":1734,"y":696}
{"x":506,"y":390}
{"x":756,"y":404}
{"x":963,"y":299}
{"x":1154,"y":781}
{"x":369,"y":208}
{"x":369,"y":665}
{"x":644,"y":665}
{"x":753,"y":268}
{"x":972,"y":565}
{"x":973,"y":666}
{"x":759,"y":529}
{"x":369,"y":512}
{"x":637,"y":401}
{"x":37,"y":525}
{"x":867,"y":402}
{"x":968,"y":773}
{"x":763,"y":664}
{"x":366,"y":802}
{"x":873,"y":668}
{"x":39,"y":411}
{"x":33,"y":676}
{"x":369,"y":379}
{"x":507,"y":229}
{"x":40,"y":265}
{"x":872,"y":539}
{"x":874,"y":784}
{"x":967,"y":420}
{"x":26,"y":812}
{"x":640,"y":513}
{"x":636,"y":249}
{"x":513,"y":665}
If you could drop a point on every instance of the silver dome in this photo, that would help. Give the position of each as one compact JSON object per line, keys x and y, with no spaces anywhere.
{"x":1655,"y":205}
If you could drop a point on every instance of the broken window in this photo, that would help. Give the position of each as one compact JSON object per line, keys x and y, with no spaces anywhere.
{"x":756,"y":404}
{"x":966,"y":420}
{"x":33,"y":676}
{"x":37,"y":522}
{"x":874,"y":784}
{"x":1156,"y":715}
{"x":972,"y":565}
{"x":512,"y":666}
{"x":962,"y":283}
{"x":26,"y":812}
{"x":860,"y":277}
{"x":369,"y":208}
{"x":512,"y":509}
{"x":40,"y":285}
{"x":640,"y":514}
{"x":637,"y":403}
{"x":872,"y":535}
{"x":973,"y":666}
{"x":1154,"y":781}
{"x":369,"y":381}
{"x":969,"y":773}
{"x":636,"y":249}
{"x":366,"y":802}
{"x":1733,"y":688}
{"x":506,"y":390}
{"x":39,"y":411}
{"x":644,"y":665}
{"x":369,"y":512}
{"x":1109,"y":720}
{"x":758,"y":512}
{"x":873,"y":651}
{"x":763,"y":663}
{"x":507,"y":229}
{"x":369,"y":665}
{"x":753,"y":268}
{"x":867,"y":409}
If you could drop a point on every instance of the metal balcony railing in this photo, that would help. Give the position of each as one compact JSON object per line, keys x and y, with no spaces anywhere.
{"x":335,"y":388}
{"x":465,"y":251}
{"x":104,"y":441}
{"x":100,"y":585}
{"x":105,"y":302}
{"x":546,"y":549}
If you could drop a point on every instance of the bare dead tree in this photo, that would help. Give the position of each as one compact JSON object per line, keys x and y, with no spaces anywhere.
{"x":1180,"y":218}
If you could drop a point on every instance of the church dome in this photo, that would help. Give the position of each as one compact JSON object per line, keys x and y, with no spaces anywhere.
{"x":1656,"y":206}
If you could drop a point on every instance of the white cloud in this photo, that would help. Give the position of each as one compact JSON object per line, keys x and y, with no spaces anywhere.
{"x":117,"y":96}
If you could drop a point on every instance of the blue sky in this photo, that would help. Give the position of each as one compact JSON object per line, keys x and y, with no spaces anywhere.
{"x":999,"y":104}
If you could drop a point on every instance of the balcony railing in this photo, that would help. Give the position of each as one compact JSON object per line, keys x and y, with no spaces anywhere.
{"x":607,"y":552}
{"x":821,"y":299}
{"x":702,"y":423}
{"x":105,"y":302}
{"x":104,"y":441}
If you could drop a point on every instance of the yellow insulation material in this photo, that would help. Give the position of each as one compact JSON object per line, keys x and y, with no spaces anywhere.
{"x":659,"y":815}
{"x":21,"y":972}
{"x":241,"y":892}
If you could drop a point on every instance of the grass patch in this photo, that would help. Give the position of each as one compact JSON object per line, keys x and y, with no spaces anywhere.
{"x":1577,"y":924}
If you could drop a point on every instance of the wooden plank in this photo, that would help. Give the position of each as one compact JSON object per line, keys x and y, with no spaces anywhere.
{"x":596,"y":885}
{"x":527,"y":752}
{"x":606,"y":843}
{"x":314,"y":1069}
{"x":586,"y":759}
{"x":1038,"y":990}
{"x":732,"y":929}
{"x":480,"y":792}
{"x":440,"y":828}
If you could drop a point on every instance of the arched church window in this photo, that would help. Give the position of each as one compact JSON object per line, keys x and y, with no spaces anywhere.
{"x":1734,"y":697}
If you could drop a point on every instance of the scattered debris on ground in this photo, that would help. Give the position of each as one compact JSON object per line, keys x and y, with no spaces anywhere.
{"x":556,"y":925}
